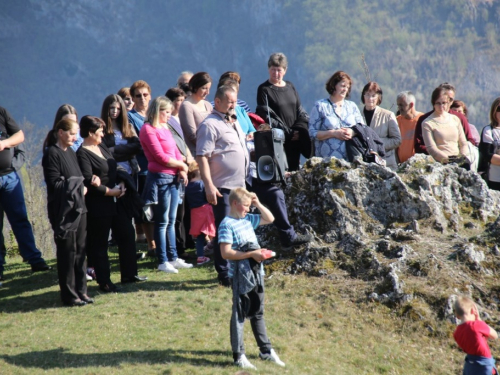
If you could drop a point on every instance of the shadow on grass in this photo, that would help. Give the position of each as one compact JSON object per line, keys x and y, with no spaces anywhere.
{"x":52,"y":299}
{"x":61,"y":358}
{"x":20,"y":279}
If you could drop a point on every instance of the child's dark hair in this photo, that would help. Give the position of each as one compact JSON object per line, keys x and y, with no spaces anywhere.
{"x":193,"y":170}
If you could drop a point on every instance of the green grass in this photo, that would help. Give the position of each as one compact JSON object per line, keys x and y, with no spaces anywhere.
{"x":179,"y":324}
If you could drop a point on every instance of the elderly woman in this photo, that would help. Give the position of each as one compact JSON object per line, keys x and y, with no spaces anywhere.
{"x":195,"y":108}
{"x":67,"y":211}
{"x":490,"y":146}
{"x":283,"y":99}
{"x":332,"y":117}
{"x":382,"y":121}
{"x":443,"y":133}
{"x":165,"y":169}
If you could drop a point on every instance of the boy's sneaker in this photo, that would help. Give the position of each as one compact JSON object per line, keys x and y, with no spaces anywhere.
{"x":243,"y":362}
{"x":167,"y":267}
{"x":180,"y":263}
{"x":273,"y":357}
{"x":202,"y":260}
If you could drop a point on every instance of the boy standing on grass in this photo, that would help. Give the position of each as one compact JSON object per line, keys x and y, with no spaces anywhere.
{"x":239,"y":245}
{"x":472,"y":337}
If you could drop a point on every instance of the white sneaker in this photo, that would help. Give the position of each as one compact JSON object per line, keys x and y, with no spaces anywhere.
{"x":243,"y":362}
{"x":273,"y":357}
{"x":179,"y":263}
{"x":89,"y":278}
{"x":167,"y":267}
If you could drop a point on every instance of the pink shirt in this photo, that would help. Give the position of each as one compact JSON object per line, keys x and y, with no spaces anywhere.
{"x":159,"y":147}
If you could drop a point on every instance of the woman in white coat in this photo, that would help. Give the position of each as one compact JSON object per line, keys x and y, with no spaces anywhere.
{"x":382,"y":121}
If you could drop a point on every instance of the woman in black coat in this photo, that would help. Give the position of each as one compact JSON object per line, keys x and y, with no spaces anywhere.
{"x":67,"y":211}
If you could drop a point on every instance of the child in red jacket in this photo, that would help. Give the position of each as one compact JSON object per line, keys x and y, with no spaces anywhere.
{"x":472,"y":337}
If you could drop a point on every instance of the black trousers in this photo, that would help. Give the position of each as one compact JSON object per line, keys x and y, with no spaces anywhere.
{"x":221,"y":210}
{"x":182,"y":225}
{"x":97,"y":244}
{"x":293,"y":149}
{"x":71,"y":266}
{"x":273,"y":198}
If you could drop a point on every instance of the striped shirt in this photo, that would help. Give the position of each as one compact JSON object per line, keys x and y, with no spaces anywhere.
{"x":238,"y":232}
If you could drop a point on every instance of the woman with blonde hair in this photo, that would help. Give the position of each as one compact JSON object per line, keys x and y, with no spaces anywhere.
{"x":165,"y":171}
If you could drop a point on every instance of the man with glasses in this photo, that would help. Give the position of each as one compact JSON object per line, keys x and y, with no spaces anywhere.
{"x":407,"y":121}
{"x":419,"y":139}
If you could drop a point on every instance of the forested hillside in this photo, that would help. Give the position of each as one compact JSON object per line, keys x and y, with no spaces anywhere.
{"x":78,"y":52}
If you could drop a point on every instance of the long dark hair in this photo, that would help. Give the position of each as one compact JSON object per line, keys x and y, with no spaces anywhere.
{"x":65,"y":109}
{"x":122,"y":119}
{"x":51,"y":139}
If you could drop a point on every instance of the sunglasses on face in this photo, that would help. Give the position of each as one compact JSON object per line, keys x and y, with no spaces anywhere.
{"x":145,"y":95}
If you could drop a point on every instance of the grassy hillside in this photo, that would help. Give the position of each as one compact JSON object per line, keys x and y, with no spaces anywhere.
{"x":179,"y":324}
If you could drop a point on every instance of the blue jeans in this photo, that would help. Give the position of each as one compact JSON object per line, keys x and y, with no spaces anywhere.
{"x":12,"y":202}
{"x":164,"y":217}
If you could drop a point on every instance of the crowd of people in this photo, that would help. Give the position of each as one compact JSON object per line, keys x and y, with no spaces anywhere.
{"x":178,"y":172}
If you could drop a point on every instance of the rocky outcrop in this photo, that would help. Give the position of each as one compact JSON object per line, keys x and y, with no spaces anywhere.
{"x":416,"y":236}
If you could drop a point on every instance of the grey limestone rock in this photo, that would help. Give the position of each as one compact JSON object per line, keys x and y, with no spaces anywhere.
{"x":469,"y":255}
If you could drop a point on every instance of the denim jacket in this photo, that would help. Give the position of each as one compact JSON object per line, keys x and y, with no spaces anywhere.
{"x":477,"y":365}
{"x":153,"y":180}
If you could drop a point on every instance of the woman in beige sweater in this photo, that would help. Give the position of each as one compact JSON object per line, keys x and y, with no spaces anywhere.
{"x":442,"y":132}
{"x":195,"y":108}
{"x":382,"y":121}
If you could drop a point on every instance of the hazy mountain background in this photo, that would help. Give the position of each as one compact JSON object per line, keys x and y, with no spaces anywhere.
{"x":78,"y":52}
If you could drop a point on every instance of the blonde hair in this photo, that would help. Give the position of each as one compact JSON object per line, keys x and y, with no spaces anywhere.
{"x":161,"y":103}
{"x":238,"y":194}
{"x":463,"y":305}
{"x":193,"y":170}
